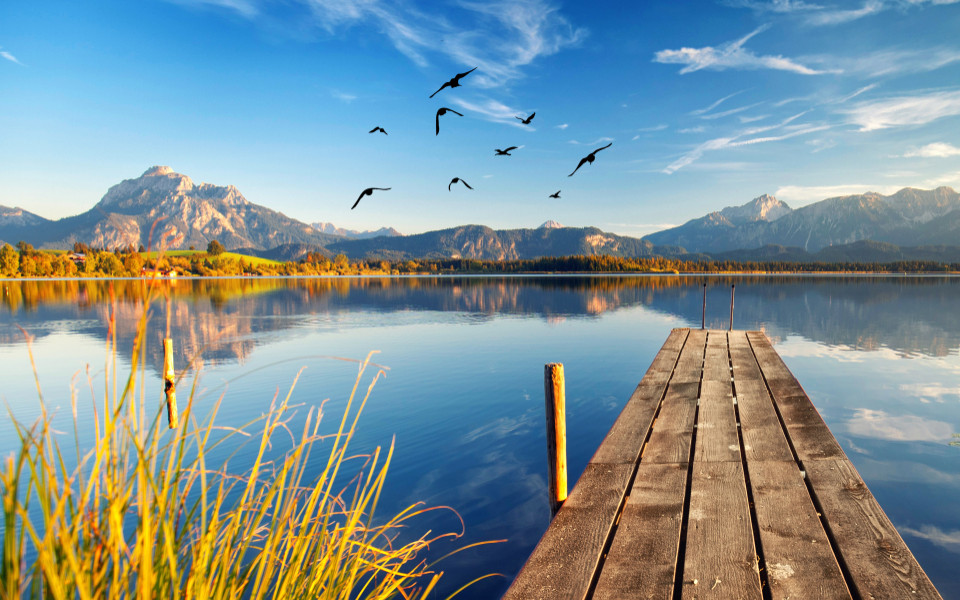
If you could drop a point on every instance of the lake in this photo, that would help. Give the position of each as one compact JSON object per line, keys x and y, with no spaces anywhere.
{"x":463,"y":393}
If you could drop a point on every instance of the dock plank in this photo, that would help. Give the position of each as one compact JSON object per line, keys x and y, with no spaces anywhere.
{"x":672,"y":432}
{"x":763,"y":437}
{"x":624,"y":441}
{"x":642,"y":560}
{"x":562,"y":565}
{"x":799,"y":561}
{"x":716,"y":366}
{"x":720,"y":553}
{"x":717,"y":438}
{"x":690,"y":366}
{"x":876,"y":557}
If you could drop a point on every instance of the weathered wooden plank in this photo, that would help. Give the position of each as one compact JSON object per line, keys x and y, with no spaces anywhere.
{"x":878,"y":561}
{"x":799,"y":560}
{"x":624,"y":441}
{"x":672,"y":432}
{"x":763,"y":437}
{"x":720,"y":553}
{"x":717,"y":438}
{"x":643,"y":557}
{"x":563,"y":563}
{"x":716,"y":366}
{"x":743,"y":361}
{"x":771,"y":364}
{"x":690,"y":365}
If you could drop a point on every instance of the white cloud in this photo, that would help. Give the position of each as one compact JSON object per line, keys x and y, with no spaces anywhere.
{"x":701,"y":111}
{"x":904,"y":110}
{"x":836,"y":17}
{"x":862,"y":90}
{"x":777,"y":6}
{"x":821,"y":144}
{"x":697,"y":129}
{"x":563,"y":126}
{"x":732,"y":111}
{"x":744,"y":119}
{"x":948,"y":179}
{"x":499,"y":37}
{"x":731,"y":55}
{"x":948,"y":540}
{"x":343,"y":96}
{"x":10,"y":57}
{"x":659,"y":127}
{"x":902,"y":428}
{"x":600,"y":140}
{"x":492,"y":110}
{"x":934,"y":150}
{"x":891,"y":62}
{"x":800,"y":194}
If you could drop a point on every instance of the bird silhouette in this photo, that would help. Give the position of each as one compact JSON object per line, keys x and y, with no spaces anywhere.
{"x":455,"y":82}
{"x":457,"y":179}
{"x":378,"y":128}
{"x":589,"y":158}
{"x":505,"y":152}
{"x":527,"y":120}
{"x":441,"y":112}
{"x":366,"y":192}
{"x":557,"y":195}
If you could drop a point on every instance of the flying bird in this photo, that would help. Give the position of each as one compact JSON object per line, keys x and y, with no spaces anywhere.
{"x":440,"y":113}
{"x":455,"y":82}
{"x":557,"y":195}
{"x":527,"y":120}
{"x":365,"y":192}
{"x":378,"y":128}
{"x":456,"y":180}
{"x":505,"y":152}
{"x":589,"y":158}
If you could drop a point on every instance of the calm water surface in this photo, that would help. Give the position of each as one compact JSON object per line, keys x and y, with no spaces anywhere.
{"x":463,"y":396}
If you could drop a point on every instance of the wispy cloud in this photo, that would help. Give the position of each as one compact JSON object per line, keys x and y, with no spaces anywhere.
{"x":697,"y":129}
{"x":745,"y":119}
{"x":746,"y":137}
{"x":836,"y":17}
{"x":600,"y":140}
{"x":701,"y":111}
{"x":343,"y":96}
{"x":659,"y":127}
{"x":732,"y":111}
{"x":10,"y":57}
{"x":821,"y":144}
{"x":502,"y":38}
{"x":904,"y":110}
{"x":775,"y":6}
{"x":492,"y":110}
{"x":934,"y":150}
{"x":562,"y":126}
{"x":891,"y":61}
{"x":862,"y":90}
{"x":731,"y":55}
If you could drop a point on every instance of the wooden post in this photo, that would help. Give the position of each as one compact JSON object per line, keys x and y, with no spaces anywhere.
{"x":703,"y":319}
{"x":732,"y":289}
{"x":169,"y":375}
{"x":554,"y":393}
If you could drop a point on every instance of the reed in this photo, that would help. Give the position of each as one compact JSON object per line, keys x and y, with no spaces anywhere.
{"x":144,"y":514}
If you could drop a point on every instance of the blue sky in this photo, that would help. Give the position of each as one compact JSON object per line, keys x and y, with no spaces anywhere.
{"x":708,"y":104}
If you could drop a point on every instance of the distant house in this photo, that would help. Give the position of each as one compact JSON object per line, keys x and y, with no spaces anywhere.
{"x":153,"y":272}
{"x":78,"y":258}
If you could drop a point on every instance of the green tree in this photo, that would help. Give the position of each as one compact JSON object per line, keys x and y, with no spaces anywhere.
{"x":214,"y":248}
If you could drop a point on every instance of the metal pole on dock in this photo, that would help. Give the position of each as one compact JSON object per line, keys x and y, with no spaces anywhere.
{"x":555,"y":396}
{"x":732,"y":290}
{"x":703,"y":319}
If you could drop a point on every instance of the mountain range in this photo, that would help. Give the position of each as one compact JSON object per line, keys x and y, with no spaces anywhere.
{"x":911,"y":224}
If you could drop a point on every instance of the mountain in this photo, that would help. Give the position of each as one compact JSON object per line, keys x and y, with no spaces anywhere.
{"x":17,"y":217}
{"x":551,"y":224}
{"x":194,"y":214}
{"x":910,"y":217}
{"x":331,"y":229}
{"x":481,"y":242}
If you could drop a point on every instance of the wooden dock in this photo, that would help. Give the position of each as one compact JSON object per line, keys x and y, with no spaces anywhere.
{"x":720,"y":480}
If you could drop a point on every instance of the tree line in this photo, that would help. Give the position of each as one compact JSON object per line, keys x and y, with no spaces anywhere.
{"x":26,"y":261}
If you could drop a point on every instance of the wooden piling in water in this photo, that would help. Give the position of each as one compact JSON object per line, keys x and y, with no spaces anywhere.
{"x":169,"y":389}
{"x":555,"y":400}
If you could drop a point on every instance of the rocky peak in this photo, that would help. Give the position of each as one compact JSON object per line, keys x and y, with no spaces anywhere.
{"x":157,"y":170}
{"x":762,"y":208}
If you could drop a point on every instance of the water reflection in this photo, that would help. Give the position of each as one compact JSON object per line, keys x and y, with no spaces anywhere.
{"x":223,"y":317}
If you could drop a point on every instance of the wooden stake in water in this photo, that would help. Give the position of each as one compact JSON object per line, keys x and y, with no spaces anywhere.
{"x":554,"y":393}
{"x":169,"y":375}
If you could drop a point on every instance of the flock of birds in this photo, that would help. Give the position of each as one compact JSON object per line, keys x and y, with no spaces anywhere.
{"x":455,"y":82}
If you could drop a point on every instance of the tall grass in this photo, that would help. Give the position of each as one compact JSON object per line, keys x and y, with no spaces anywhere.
{"x":144,"y":514}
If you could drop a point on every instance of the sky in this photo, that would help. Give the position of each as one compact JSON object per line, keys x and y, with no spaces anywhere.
{"x":707,"y":104}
